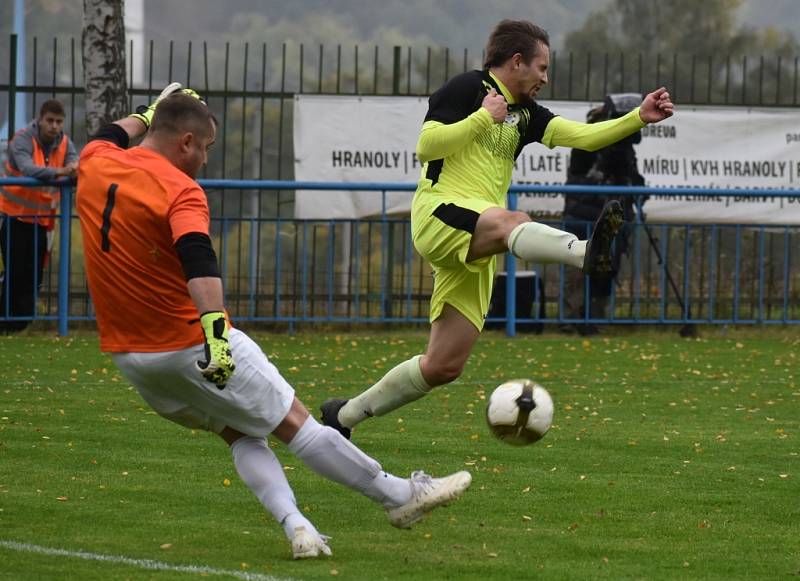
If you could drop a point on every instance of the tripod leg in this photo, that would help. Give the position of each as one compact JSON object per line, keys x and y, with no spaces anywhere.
{"x":689,"y":329}
{"x":660,"y":258}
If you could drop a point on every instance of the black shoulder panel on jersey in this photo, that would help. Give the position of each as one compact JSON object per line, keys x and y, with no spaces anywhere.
{"x":197,"y":256}
{"x":113,"y":133}
{"x":539,"y":118}
{"x":457,"y":98}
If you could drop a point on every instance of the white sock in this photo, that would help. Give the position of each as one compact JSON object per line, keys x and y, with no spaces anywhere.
{"x":391,"y":491}
{"x":295,"y":521}
{"x":329,"y":454}
{"x":536,"y":242}
{"x":260,"y":470}
{"x":403,"y":384}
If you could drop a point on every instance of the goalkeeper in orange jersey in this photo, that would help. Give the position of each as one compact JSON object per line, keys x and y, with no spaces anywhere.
{"x":155,"y":284}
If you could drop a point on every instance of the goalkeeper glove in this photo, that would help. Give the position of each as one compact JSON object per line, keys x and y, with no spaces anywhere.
{"x":218,"y":366}
{"x":144,"y":113}
{"x":193,"y":93}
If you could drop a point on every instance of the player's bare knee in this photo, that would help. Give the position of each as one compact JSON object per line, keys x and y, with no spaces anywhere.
{"x":441,"y":373}
{"x":513,"y":220}
{"x":519,"y":217}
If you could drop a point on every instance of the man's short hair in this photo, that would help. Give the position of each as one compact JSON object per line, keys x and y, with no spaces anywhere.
{"x":514,"y":36}
{"x":179,"y":113}
{"x":53,"y":106}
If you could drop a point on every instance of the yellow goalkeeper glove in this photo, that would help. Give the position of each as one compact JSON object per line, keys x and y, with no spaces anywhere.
{"x":144,"y":113}
{"x":193,"y":93}
{"x":218,"y":366}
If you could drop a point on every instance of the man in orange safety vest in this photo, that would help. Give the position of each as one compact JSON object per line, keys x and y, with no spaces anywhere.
{"x":40,"y":150}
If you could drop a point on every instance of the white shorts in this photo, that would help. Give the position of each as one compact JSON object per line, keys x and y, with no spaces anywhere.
{"x":255,"y":399}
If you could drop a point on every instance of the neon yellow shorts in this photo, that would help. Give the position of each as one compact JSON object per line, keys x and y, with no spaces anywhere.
{"x":441,"y":228}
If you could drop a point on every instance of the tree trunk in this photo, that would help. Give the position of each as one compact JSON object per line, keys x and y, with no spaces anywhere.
{"x":103,"y":45}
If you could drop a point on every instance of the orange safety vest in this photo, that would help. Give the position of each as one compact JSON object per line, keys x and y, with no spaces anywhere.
{"x":34,"y":204}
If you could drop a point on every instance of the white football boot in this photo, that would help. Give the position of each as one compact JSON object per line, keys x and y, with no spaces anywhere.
{"x":309,"y":544}
{"x":426,"y":494}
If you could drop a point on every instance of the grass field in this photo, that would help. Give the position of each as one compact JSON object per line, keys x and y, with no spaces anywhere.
{"x":668,"y":459}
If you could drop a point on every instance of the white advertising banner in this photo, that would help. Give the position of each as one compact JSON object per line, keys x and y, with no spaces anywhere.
{"x":372,"y":139}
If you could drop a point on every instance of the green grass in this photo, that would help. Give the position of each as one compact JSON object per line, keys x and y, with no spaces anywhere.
{"x":668,"y":459}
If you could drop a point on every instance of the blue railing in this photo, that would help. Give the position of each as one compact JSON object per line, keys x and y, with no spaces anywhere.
{"x":64,"y":247}
{"x":649,"y":300}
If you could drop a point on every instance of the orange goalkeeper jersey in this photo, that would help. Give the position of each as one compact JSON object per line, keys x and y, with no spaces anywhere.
{"x":133,"y":206}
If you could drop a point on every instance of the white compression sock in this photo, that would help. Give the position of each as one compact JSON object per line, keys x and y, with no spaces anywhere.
{"x":536,"y":242}
{"x":260,"y":470}
{"x":403,"y":384}
{"x":329,"y":454}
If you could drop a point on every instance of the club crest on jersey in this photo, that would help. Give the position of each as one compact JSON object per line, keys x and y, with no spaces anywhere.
{"x":512,"y":118}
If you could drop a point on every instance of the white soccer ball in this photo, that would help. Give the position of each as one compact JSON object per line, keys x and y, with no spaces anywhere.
{"x":519,"y":412}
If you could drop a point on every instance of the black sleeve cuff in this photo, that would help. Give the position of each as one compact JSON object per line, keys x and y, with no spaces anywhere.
{"x":115,"y":134}
{"x":197,"y":256}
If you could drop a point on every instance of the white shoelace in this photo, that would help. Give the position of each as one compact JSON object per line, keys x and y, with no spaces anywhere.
{"x":422,"y":483}
{"x":323,"y":538}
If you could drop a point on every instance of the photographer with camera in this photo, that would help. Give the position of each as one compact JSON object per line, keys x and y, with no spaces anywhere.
{"x":612,"y":165}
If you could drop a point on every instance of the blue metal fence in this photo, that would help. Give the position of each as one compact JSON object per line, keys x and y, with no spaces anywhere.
{"x":289,"y":271}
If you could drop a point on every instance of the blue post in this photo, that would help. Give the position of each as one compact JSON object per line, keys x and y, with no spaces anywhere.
{"x":276,"y":306}
{"x":255,"y":229}
{"x":385,"y":248}
{"x":64,"y":245}
{"x":331,"y":265}
{"x":511,"y":281}
{"x":637,"y":255}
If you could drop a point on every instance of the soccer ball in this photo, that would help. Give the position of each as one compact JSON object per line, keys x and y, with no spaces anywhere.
{"x":519,"y":412}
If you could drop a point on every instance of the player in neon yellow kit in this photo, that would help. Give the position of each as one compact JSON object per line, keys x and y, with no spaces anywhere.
{"x":476,"y":126}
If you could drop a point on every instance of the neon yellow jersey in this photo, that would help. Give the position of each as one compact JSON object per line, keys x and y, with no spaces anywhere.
{"x":482,"y":159}
{"x":467,"y":155}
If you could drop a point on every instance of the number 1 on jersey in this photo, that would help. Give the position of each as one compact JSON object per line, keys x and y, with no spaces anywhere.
{"x":112,"y":195}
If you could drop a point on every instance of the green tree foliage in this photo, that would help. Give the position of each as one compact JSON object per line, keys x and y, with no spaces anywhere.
{"x":699,"y":45}
{"x":684,"y":26}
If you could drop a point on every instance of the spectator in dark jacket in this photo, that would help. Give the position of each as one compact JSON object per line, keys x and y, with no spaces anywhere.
{"x":612,"y":165}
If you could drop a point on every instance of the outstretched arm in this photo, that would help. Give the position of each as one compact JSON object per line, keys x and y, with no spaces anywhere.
{"x":655,"y":107}
{"x":591,"y":136}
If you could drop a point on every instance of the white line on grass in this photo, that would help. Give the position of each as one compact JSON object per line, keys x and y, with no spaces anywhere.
{"x":104,"y":384}
{"x":142,"y":563}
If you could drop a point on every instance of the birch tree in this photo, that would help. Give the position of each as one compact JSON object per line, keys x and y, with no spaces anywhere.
{"x":103,"y":48}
